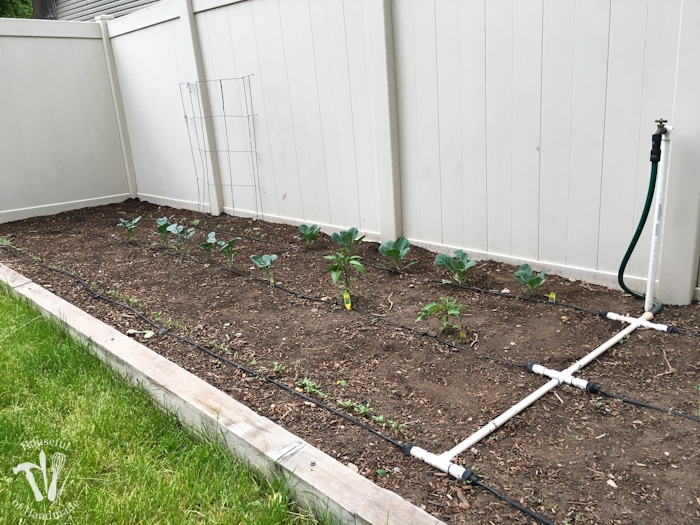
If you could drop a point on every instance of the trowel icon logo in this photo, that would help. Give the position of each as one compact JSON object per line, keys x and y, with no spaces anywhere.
{"x":51,"y":492}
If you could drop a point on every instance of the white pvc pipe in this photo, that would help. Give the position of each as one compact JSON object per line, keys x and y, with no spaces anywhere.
{"x":564,"y":379}
{"x":641,"y":322}
{"x":658,"y":214}
{"x":529,"y":400}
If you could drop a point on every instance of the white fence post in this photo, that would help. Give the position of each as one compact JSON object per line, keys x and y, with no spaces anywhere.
{"x":680,"y":250}
{"x":187,"y":18}
{"x":384,"y":119}
{"x":118,"y":104}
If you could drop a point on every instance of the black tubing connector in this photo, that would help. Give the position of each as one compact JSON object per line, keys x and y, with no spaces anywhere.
{"x":529,"y":366}
{"x":592,"y":388}
{"x":406,"y":448}
{"x":469,"y":477}
{"x":655,"y":148}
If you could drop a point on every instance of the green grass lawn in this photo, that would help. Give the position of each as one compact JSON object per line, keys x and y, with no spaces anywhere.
{"x":116,"y":457}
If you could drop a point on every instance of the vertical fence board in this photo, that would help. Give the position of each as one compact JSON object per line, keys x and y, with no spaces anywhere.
{"x":558,"y":30}
{"x":244,"y":48}
{"x":587,"y":131}
{"x":66,"y":111}
{"x":339,"y":44}
{"x":273,"y":72}
{"x":16,"y":183}
{"x":499,"y":123}
{"x":527,"y":90}
{"x":628,"y":24}
{"x":97,"y":109}
{"x":473,"y":119}
{"x":361,"y":120}
{"x":338,"y":207}
{"x":37,"y":128}
{"x":429,"y":173}
{"x":404,"y":31}
{"x":449,"y":83}
{"x":297,"y":35}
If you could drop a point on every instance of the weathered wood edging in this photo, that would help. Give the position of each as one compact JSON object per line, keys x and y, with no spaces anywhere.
{"x":317,"y":480}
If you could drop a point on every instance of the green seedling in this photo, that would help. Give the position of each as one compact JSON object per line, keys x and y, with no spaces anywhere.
{"x":363,"y":409}
{"x":162,"y":229}
{"x":342,"y":263}
{"x":130,"y":226}
{"x":265,"y":262}
{"x":209,"y":245}
{"x":125,"y":298}
{"x":456,"y":265}
{"x":395,"y":425}
{"x":182,"y":236}
{"x":531,"y":280}
{"x":277,"y":367}
{"x":348,"y":239}
{"x":381,"y":472}
{"x":443,"y":310}
{"x":4,"y":241}
{"x":396,"y":251}
{"x":196,"y":222}
{"x":381,"y":420}
{"x":308,"y":234}
{"x":227,"y":249}
{"x":346,"y":404}
{"x":312,"y":388}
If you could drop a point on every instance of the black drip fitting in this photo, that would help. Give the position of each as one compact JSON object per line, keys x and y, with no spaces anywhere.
{"x":469,"y":477}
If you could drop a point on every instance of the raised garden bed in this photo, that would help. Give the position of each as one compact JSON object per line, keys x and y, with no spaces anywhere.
{"x":572,"y":457}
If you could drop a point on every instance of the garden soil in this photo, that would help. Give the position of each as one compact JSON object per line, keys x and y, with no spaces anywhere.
{"x":574,"y":457}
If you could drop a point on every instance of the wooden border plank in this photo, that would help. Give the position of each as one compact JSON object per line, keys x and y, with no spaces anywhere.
{"x":316,"y":479}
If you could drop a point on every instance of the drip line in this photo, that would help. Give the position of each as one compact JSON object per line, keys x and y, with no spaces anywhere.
{"x":471,"y":478}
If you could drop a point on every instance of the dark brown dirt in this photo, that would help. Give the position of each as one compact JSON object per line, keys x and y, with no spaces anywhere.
{"x":573,"y":457}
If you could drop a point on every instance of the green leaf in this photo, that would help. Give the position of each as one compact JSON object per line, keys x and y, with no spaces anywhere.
{"x":381,"y":472}
{"x":444,"y":260}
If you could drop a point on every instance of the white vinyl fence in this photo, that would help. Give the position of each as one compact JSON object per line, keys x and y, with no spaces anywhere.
{"x":518,"y":130}
{"x":59,"y":141}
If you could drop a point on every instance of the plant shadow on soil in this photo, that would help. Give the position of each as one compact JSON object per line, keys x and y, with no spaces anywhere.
{"x":572,"y":456}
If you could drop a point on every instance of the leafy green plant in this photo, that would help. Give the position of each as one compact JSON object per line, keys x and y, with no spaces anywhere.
{"x":308,"y":234}
{"x":209,"y":245}
{"x":531,"y":280}
{"x":396,"y":251}
{"x":348,"y":239}
{"x":342,"y":263}
{"x":265,"y":262}
{"x":346,"y":403}
{"x":443,"y":310}
{"x":182,"y":236}
{"x":395,"y":425}
{"x":129,"y":225}
{"x":227,"y":249}
{"x":456,"y":265}
{"x":311,"y":387}
{"x":363,"y":409}
{"x":162,"y":229}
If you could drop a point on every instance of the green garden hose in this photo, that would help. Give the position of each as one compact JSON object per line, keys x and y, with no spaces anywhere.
{"x":642,"y":221}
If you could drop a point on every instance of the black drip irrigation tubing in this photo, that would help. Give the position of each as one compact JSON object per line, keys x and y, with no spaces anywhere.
{"x":470,"y":477}
{"x":416,"y":276}
{"x":405,"y":327}
{"x":301,"y":295}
